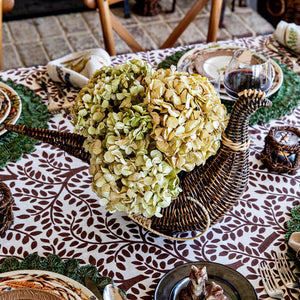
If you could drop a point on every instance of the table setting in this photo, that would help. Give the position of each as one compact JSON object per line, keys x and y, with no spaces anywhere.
{"x":69,"y":221}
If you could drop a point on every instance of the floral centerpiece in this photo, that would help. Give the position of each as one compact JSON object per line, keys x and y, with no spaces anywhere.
{"x":142,"y":128}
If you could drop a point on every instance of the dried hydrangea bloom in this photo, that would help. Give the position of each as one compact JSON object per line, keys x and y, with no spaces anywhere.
{"x":188,"y":117}
{"x":129,"y":173}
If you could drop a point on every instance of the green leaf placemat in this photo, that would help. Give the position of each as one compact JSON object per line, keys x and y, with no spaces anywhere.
{"x":284,"y":100}
{"x":34,"y":113}
{"x":293,"y":225}
{"x":54,"y":263}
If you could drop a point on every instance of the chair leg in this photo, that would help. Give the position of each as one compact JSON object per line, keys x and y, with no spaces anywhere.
{"x":214,"y":20}
{"x":107,"y":28}
{"x":221,"y":25}
{"x":126,"y":9}
{"x":109,"y":23}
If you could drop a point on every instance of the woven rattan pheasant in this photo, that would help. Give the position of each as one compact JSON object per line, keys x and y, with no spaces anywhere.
{"x":208,"y":191}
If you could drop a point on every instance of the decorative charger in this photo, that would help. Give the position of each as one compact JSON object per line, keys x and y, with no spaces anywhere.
{"x":282,"y":149}
{"x":6,"y":208}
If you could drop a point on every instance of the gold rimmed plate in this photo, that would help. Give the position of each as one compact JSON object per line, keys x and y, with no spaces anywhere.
{"x":220,"y":55}
{"x":38,"y":284}
{"x":15,"y":106}
{"x":4,"y":105}
{"x":235,"y":285}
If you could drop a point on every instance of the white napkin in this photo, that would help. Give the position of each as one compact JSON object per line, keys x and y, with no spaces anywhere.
{"x":288,"y":35}
{"x":77,"y":68}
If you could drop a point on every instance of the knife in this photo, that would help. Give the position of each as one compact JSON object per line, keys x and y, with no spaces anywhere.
{"x":91,"y":285}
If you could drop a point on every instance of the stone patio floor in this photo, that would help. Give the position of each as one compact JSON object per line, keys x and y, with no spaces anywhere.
{"x":36,"y":41}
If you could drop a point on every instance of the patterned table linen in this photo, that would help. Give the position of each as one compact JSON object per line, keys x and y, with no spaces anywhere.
{"x":57,"y":213}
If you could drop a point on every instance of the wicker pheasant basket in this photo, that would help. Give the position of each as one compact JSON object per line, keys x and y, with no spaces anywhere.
{"x":208,"y":191}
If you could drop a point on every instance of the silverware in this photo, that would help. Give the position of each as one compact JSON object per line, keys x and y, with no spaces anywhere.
{"x":91,"y":285}
{"x":269,"y":281}
{"x":112,"y":292}
{"x":285,"y":273}
{"x":52,"y":107}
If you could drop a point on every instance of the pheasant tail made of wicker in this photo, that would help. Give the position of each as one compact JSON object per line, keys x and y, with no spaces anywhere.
{"x":72,"y":143}
{"x":216,"y":186}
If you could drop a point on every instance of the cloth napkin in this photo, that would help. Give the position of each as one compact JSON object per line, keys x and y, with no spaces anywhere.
{"x":77,"y":68}
{"x":288,"y":35}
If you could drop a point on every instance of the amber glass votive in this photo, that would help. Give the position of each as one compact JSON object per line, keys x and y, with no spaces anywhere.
{"x":282,"y":149}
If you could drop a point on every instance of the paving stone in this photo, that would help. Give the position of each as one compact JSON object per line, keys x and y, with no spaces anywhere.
{"x":93,"y":21}
{"x":55,"y":36}
{"x":237,"y":27}
{"x":83,"y":42}
{"x":256,"y":22}
{"x":120,"y":45}
{"x":26,"y":52}
{"x":177,"y":15}
{"x":48,"y":27}
{"x":149,"y":19}
{"x":23,"y":31}
{"x":142,"y":37}
{"x":191,"y":35}
{"x":202,"y":25}
{"x":73,"y":23}
{"x":57,"y":47}
{"x":6,"y":36}
{"x":159,"y":39}
{"x":119,"y":13}
{"x":185,"y":5}
{"x":11,"y":58}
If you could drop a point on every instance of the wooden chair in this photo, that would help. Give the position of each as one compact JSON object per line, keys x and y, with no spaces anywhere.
{"x":214,"y":20}
{"x":109,"y":23}
{"x":5,"y":6}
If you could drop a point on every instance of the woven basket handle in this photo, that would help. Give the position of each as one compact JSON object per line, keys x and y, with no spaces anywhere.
{"x":271,"y":12}
{"x":146,"y":223}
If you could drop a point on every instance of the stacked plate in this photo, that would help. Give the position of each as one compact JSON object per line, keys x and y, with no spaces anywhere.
{"x":44,"y":285}
{"x":10,"y":106}
{"x":220,"y":56}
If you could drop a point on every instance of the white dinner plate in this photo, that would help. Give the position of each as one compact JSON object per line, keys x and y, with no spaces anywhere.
{"x":15,"y":106}
{"x":220,"y":56}
{"x":41,"y":285}
{"x":234,"y":285}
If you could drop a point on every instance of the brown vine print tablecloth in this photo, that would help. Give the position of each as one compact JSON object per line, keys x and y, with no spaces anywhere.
{"x":57,"y":213}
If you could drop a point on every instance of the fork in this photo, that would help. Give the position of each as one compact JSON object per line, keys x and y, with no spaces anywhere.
{"x":285,"y":273}
{"x":269,"y":281}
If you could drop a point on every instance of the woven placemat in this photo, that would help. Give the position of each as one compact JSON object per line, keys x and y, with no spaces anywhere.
{"x":54,"y":263}
{"x":293,"y":225}
{"x":34,"y":113}
{"x":284,"y":100}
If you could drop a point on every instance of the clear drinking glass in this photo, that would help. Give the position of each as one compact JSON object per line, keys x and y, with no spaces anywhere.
{"x":248,"y":70}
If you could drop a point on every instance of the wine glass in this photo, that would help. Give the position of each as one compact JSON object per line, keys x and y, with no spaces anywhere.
{"x":248,"y":70}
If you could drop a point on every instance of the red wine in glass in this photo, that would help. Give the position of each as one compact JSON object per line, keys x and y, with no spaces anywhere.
{"x":247,"y":70}
{"x":239,"y":80}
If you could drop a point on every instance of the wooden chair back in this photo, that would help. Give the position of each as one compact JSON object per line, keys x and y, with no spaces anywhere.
{"x":109,"y":23}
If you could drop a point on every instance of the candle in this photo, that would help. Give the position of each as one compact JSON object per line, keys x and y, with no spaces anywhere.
{"x":282,"y":149}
